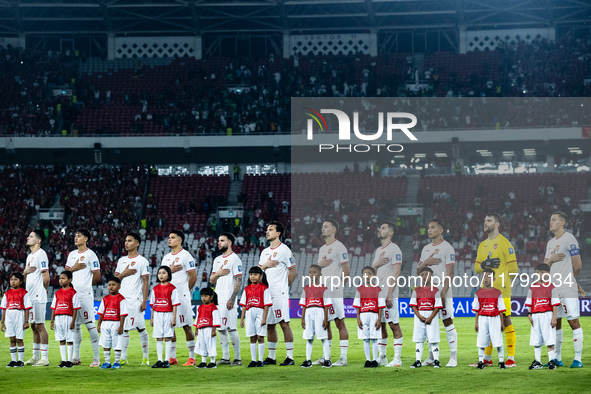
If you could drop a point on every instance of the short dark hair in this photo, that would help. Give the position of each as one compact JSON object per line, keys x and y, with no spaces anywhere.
{"x":39,"y":234}
{"x":543,"y":267}
{"x":278,"y":226}
{"x":135,"y":236}
{"x":334,"y":223}
{"x":19,"y":276}
{"x":370,"y":268}
{"x":230,"y":237}
{"x":180,"y":234}
{"x":392,"y":226}
{"x":84,"y":232}
{"x":319,"y":268}
{"x":561,"y":214}
{"x":496,"y":216}
{"x":488,"y":270}
{"x":438,"y":221}
{"x":426,"y":269}
{"x":68,"y":274}
{"x":115,"y":279}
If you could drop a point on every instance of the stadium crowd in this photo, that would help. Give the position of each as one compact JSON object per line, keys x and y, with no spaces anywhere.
{"x":229,"y":96}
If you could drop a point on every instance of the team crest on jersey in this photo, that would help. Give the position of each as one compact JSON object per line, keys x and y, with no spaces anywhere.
{"x":132,"y":263}
{"x":225,"y":262}
{"x":494,"y":247}
{"x":275,"y":254}
{"x":329,"y":251}
{"x":82,"y":258}
{"x":556,"y":248}
{"x":382,"y":254}
{"x":436,"y":251}
{"x":176,"y":260}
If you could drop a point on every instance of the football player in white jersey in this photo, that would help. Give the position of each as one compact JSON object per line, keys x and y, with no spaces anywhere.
{"x":564,"y":258}
{"x":85,"y":268}
{"x":37,"y":277}
{"x":334,"y":261}
{"x":132,"y":270}
{"x":439,"y":255}
{"x":226,"y":276}
{"x":184,"y":277}
{"x":387,"y":263}
{"x":277,"y":262}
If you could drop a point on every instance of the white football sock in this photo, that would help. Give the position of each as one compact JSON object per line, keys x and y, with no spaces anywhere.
{"x":397,"y":348}
{"x":94,"y":339}
{"x":191,"y":347}
{"x":558,"y":345}
{"x":21,"y":353}
{"x":366,"y":349}
{"x":374,"y":348}
{"x":538,"y":353}
{"x":272,"y":350}
{"x":235,"y":338}
{"x":13,"y":354}
{"x":480,"y":354}
{"x":434,"y":349}
{"x":124,"y":344}
{"x":289,"y":349}
{"x":344,"y":348}
{"x":501,"y":352}
{"x":253,"y":351}
{"x":578,"y":341}
{"x":419,"y":350}
{"x":168,"y":347}
{"x":309,"y":345}
{"x":70,"y":352}
{"x":107,"y":354}
{"x":36,"y":351}
{"x":452,"y":340}
{"x":44,"y":348}
{"x":63,"y":352}
{"x":77,"y":342}
{"x":382,"y":346}
{"x":325,"y":349}
{"x":225,"y":342}
{"x":172,"y":349}
{"x":261,"y":351}
{"x":145,"y":341}
{"x":159,"y":350}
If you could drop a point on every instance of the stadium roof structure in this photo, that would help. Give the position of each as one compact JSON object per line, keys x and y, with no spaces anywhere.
{"x":201,"y":17}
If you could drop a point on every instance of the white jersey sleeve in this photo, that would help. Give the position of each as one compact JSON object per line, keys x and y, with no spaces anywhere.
{"x":216,"y":318}
{"x":101,"y":309}
{"x":75,"y":301}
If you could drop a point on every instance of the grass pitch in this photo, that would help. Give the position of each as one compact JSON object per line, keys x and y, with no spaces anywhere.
{"x":352,"y":378}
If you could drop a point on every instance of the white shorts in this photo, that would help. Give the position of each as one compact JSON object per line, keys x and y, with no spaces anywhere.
{"x":37,"y":313}
{"x":15,"y":320}
{"x":447,"y":312}
{"x":110,"y":337}
{"x":314,"y":319}
{"x":162,"y":328}
{"x":279,"y":311}
{"x":369,"y":331}
{"x":62,"y":328}
{"x":489,"y":330}
{"x":337,"y":310}
{"x":423,"y":331}
{"x":391,"y":315}
{"x":86,"y":311}
{"x":228,"y":318}
{"x":135,"y":318}
{"x":542,"y":332}
{"x":569,"y":308}
{"x":206,"y":345}
{"x":184,"y":313}
{"x":252,"y":322}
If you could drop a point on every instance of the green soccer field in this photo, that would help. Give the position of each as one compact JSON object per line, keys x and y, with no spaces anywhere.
{"x":135,"y":378}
